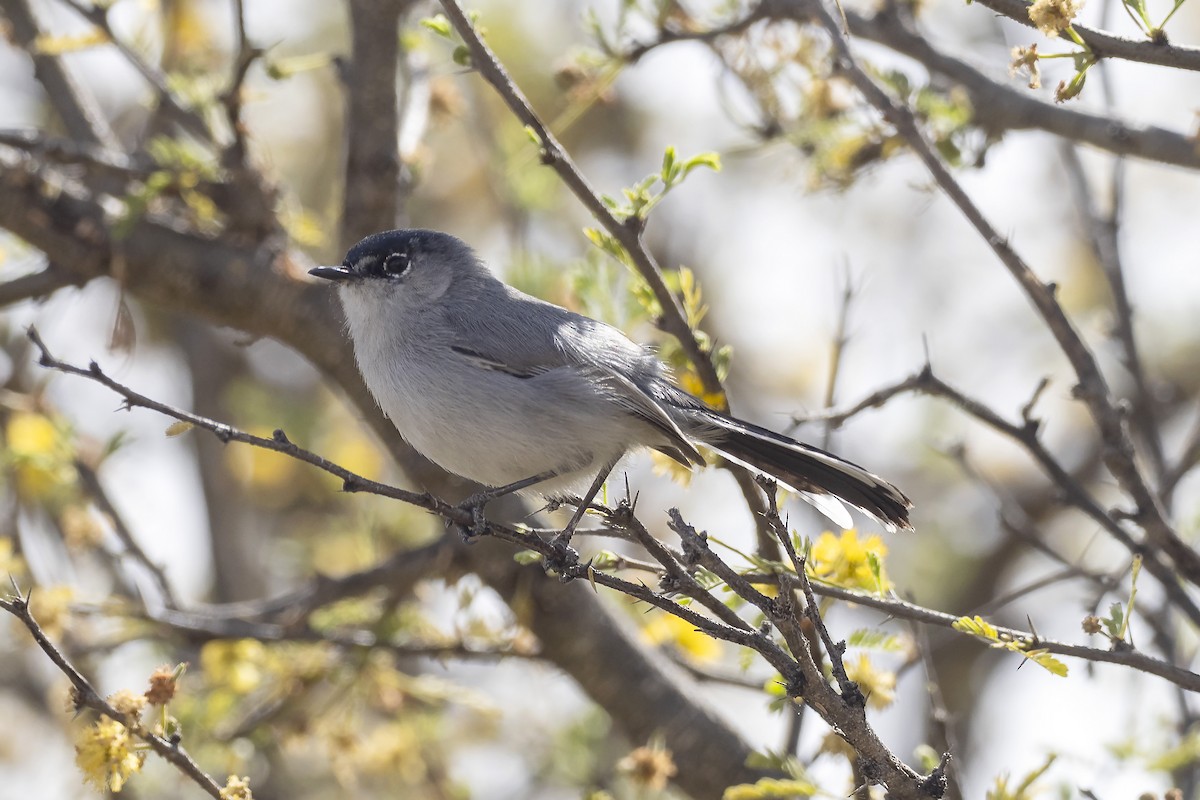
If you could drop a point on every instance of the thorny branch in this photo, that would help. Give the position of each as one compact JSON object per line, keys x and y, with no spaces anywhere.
{"x":1027,"y":435}
{"x":801,"y":674}
{"x":87,"y":697}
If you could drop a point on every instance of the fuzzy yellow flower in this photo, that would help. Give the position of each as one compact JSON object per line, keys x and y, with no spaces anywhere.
{"x":1052,"y":16}
{"x":879,"y":686}
{"x":51,"y":607}
{"x":107,"y":754}
{"x":237,"y":789}
{"x":10,"y":562}
{"x":40,"y":454}
{"x":235,"y":663}
{"x":128,"y":703}
{"x":666,"y":629}
{"x":845,"y":560}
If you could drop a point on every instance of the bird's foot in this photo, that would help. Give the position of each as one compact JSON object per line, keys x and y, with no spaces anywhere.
{"x":561,"y":560}
{"x":475,"y":504}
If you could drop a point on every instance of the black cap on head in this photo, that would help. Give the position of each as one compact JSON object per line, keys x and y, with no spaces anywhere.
{"x":390,"y":253}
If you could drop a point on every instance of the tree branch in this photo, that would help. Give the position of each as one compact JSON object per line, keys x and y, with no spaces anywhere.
{"x":88,"y":697}
{"x":1108,"y":45}
{"x":1092,"y":388}
{"x":78,"y":110}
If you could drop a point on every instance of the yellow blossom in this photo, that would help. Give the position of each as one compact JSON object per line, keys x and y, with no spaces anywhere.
{"x":1052,"y":16}
{"x":127,"y":703}
{"x":237,"y":789}
{"x":107,"y":754}
{"x":879,"y":686}
{"x":51,"y":607}
{"x":40,"y":455}
{"x":235,"y":663}
{"x":10,"y":562}
{"x":649,"y":766}
{"x":80,"y":527}
{"x":845,"y":560}
{"x":666,"y":629}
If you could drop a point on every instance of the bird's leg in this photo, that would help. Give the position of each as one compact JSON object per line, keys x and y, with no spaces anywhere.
{"x":476,"y":502}
{"x":564,"y":538}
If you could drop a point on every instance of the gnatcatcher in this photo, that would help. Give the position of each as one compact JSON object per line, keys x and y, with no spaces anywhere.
{"x":518,"y":394}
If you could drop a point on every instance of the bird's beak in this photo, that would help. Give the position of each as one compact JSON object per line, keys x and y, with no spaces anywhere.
{"x":332,"y":273}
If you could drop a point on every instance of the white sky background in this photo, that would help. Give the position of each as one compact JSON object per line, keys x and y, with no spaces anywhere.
{"x":774,"y":253}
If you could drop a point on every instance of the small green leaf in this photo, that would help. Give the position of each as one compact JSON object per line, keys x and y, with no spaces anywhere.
{"x":669,"y":168}
{"x":710,"y":160}
{"x":438,"y":24}
{"x":525,"y":557}
{"x":873,"y":639}
{"x":1115,"y":620}
{"x":462,"y":55}
{"x":605,"y":560}
{"x":876,"y":567}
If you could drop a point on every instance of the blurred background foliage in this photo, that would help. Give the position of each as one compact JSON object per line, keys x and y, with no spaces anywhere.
{"x":815,"y":221}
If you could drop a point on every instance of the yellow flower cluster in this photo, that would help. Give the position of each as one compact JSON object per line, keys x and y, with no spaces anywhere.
{"x":107,"y":754}
{"x":40,"y":454}
{"x":845,"y":560}
{"x":669,"y":630}
{"x":237,"y":789}
{"x":878,"y":685}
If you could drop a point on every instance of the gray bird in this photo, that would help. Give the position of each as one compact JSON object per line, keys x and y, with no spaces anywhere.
{"x":519,"y":394}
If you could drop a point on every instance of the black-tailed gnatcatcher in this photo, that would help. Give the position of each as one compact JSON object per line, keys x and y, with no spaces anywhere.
{"x":516,"y":393}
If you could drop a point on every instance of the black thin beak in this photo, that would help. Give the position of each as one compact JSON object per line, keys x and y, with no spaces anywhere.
{"x":332,"y":273}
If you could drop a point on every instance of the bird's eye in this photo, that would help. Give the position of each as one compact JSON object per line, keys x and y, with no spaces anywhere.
{"x":396,"y":264}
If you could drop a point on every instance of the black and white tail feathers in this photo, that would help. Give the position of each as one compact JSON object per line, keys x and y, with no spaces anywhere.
{"x":812,"y":472}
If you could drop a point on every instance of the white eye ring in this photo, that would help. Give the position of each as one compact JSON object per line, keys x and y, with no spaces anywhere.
{"x":396,"y":264}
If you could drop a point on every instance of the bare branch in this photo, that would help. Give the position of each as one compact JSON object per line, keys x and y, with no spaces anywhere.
{"x":78,"y":110}
{"x":36,"y":285}
{"x":245,"y":55}
{"x":1103,"y":236}
{"x":1027,"y":436}
{"x":93,"y":488}
{"x":187,"y":118}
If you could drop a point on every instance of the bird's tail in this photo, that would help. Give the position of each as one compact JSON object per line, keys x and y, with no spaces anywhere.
{"x":815,"y":474}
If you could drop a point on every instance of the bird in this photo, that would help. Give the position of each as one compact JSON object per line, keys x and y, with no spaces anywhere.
{"x":520,"y":395}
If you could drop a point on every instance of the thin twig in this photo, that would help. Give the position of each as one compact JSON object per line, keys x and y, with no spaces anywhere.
{"x":93,"y":487}
{"x":79,"y":111}
{"x":245,"y":56}
{"x":902,"y":609}
{"x":36,"y":285}
{"x":188,"y":118}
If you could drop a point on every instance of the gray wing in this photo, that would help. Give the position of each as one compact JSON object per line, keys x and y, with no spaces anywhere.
{"x":523,"y":337}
